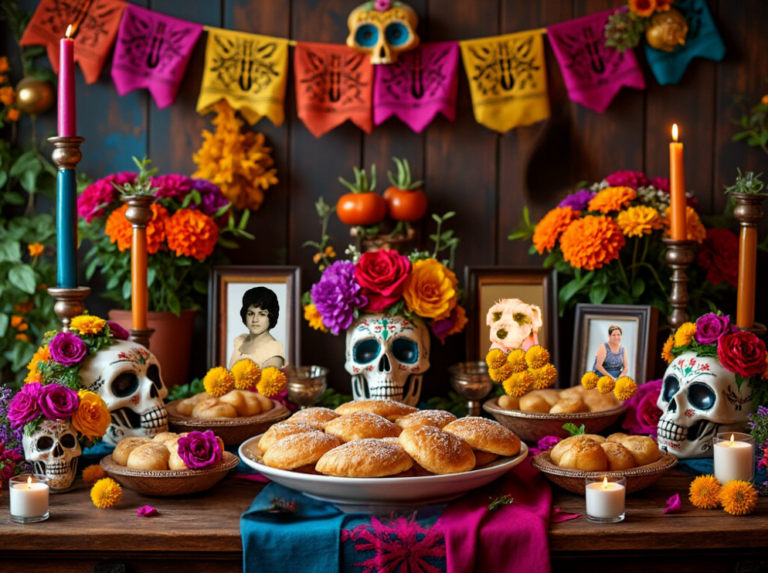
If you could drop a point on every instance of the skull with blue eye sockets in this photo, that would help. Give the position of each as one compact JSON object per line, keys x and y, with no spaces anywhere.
{"x":387,"y":356}
{"x":383,"y":29}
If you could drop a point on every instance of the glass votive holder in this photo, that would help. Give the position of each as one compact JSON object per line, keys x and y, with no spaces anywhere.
{"x":28,"y":495}
{"x":734,"y":456}
{"x":471,"y":381}
{"x":306,"y":384}
{"x":606,"y":499}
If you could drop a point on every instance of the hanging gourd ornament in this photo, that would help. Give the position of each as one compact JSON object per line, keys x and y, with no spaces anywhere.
{"x":34,"y":96}
{"x":667,"y":30}
{"x":383,"y":29}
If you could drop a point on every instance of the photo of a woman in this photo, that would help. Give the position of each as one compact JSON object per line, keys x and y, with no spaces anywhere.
{"x":259,"y":312}
{"x":611,"y":357}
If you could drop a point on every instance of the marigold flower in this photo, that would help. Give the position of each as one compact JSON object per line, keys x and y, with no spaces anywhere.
{"x":537,"y":356}
{"x":35,"y":249}
{"x":684,"y":334}
{"x":501,"y":373}
{"x":93,"y":473}
{"x":329,"y":253}
{"x":738,"y":497}
{"x":312,"y":316}
{"x":247,"y":374}
{"x":543,"y":377}
{"x":87,"y":324}
{"x":517,"y":359}
{"x":431,"y":289}
{"x":592,"y":242}
{"x":272,"y":382}
{"x":24,"y":307}
{"x":4,"y":65}
{"x":7,"y":95}
{"x":666,"y":352}
{"x":495,"y":358}
{"x":23,"y":337}
{"x":16,"y":321}
{"x":625,"y":388}
{"x":694,"y":227}
{"x":605,"y":384}
{"x":764,"y":100}
{"x":218,"y":381}
{"x":644,"y":8}
{"x":612,"y":199}
{"x":519,"y":384}
{"x":589,"y":380}
{"x":639,"y":221}
{"x":120,"y":231}
{"x":13,"y":114}
{"x":42,"y":354}
{"x":106,"y":493}
{"x":704,"y":491}
{"x":191,"y":233}
{"x":552,"y":226}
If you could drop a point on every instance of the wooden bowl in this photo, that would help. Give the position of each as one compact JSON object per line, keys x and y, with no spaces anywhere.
{"x":575,"y":480}
{"x":532,"y":426}
{"x":170,"y":482}
{"x":232,"y":431}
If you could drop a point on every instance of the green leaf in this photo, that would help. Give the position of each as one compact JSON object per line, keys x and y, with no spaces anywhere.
{"x":566,"y":293}
{"x":573,"y":429}
{"x":151,"y":276}
{"x":4,"y":320}
{"x":200,"y":286}
{"x":227,"y":244}
{"x":10,"y":197}
{"x":173,"y":304}
{"x":91,"y":268}
{"x":638,"y":287}
{"x":127,"y":289}
{"x":221,"y":211}
{"x":244,"y":219}
{"x":23,"y":278}
{"x":598,"y":293}
{"x":10,"y":251}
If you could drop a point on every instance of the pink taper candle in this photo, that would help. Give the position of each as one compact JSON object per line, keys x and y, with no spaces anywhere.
{"x":67,"y":113}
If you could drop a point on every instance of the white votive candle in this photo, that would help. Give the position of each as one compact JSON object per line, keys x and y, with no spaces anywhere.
{"x":28,"y":498}
{"x":734,"y":455}
{"x":606,"y":499}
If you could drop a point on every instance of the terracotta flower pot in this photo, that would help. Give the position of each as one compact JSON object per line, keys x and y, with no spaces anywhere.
{"x":171,"y":342}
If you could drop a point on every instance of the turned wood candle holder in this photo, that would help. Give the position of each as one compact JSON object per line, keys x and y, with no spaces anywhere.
{"x":679,"y":256}
{"x":748,"y":212}
{"x":139,"y":214}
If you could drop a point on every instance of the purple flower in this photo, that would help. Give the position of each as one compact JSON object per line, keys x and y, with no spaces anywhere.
{"x":336,"y":296}
{"x":577,"y":201}
{"x":661,"y":183}
{"x":643,"y":413}
{"x":58,"y":402}
{"x":211,"y":197}
{"x":199,"y":449}
{"x":25,"y":405}
{"x":118,"y":331}
{"x":67,"y":349}
{"x":172,"y":186}
{"x":710,"y":327}
{"x":632,"y":179}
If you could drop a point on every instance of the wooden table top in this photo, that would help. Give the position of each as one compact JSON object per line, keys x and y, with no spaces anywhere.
{"x":210,"y":523}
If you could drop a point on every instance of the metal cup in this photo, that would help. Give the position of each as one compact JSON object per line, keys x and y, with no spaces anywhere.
{"x":306,"y":384}
{"x":471,"y":381}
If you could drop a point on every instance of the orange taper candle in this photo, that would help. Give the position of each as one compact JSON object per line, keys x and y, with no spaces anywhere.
{"x":139,"y":278}
{"x":679,"y":203}
{"x":745,"y":306}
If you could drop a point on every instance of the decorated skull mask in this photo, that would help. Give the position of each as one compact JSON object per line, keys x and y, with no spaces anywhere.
{"x":700,"y":398}
{"x":386,"y":356}
{"x":383,"y":29}
{"x":54,"y":450}
{"x":127,"y":377}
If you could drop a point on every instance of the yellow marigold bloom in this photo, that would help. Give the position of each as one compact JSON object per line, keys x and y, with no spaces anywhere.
{"x":543,"y":377}
{"x":120,"y":231}
{"x":247,"y":374}
{"x":704,"y":491}
{"x":312,"y":316}
{"x":33,"y":377}
{"x":93,"y":473}
{"x":517,"y":359}
{"x":605,"y":384}
{"x":191,"y":233}
{"x":218,"y":381}
{"x":666,"y":352}
{"x":4,"y":66}
{"x":92,"y":416}
{"x":329,"y":253}
{"x":684,"y":334}
{"x":589,"y":380}
{"x":13,"y":114}
{"x":695,"y":228}
{"x":537,"y":356}
{"x":519,"y":384}
{"x":495,"y":358}
{"x":501,"y":373}
{"x":644,"y":8}
{"x":738,"y":497}
{"x":106,"y":493}
{"x":592,"y":242}
{"x":431,"y":289}
{"x":553,"y":225}
{"x":42,"y":354}
{"x":35,"y":249}
{"x":625,"y":388}
{"x":87,"y":324}
{"x":612,"y":199}
{"x":639,"y":221}
{"x":272,"y":382}
{"x":7,"y":95}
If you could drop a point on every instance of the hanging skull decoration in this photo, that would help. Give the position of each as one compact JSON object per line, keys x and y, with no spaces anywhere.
{"x":383,"y":29}
{"x":387,"y":356}
{"x":127,"y":377}
{"x":699,"y":398}
{"x":54,"y":450}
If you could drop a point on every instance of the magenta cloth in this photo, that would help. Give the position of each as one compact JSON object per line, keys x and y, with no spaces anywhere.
{"x":593,"y":72}
{"x":511,"y":539}
{"x":559,"y":516}
{"x":252,"y":477}
{"x":152,"y":51}
{"x":422,"y":83}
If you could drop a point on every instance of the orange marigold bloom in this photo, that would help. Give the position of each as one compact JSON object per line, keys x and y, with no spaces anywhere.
{"x":612,"y":199}
{"x":638,"y":221}
{"x":23,"y":337}
{"x":592,"y":242}
{"x":4,"y":66}
{"x":35,"y":249}
{"x":694,"y":227}
{"x":13,"y":114}
{"x":7,"y":95}
{"x":553,"y":225}
{"x":119,"y":229}
{"x":644,"y":8}
{"x":191,"y":234}
{"x":16,"y":321}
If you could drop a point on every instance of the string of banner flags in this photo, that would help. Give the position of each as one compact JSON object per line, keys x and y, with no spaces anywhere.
{"x":333,"y":83}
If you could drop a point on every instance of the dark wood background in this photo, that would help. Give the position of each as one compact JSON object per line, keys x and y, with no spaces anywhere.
{"x":485,"y":177}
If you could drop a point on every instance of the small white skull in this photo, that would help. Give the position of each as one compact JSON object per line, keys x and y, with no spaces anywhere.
{"x":127,"y":376}
{"x":386,"y":356}
{"x":54,"y":451}
{"x":700,"y":398}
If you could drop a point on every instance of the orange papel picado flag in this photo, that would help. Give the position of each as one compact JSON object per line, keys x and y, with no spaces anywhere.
{"x":248,"y":71}
{"x":507,"y":79}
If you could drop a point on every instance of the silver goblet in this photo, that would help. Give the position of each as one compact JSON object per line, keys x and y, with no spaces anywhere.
{"x":471,"y":381}
{"x":306,"y":384}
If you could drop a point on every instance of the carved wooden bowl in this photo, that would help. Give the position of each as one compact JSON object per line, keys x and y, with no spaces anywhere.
{"x":575,"y":480}
{"x":232,"y":431}
{"x":170,"y":482}
{"x":532,"y":426}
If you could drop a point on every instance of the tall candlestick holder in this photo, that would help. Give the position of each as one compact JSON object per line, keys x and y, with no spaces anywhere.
{"x":139,"y":214}
{"x":69,"y":299}
{"x":748,"y":212}
{"x":679,"y":256}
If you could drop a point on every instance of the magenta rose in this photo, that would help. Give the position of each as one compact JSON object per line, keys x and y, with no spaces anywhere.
{"x":742,"y":353}
{"x":382,"y":274}
{"x":200,"y":449}
{"x":118,"y":331}
{"x":632,"y":179}
{"x":67,"y":349}
{"x":58,"y":402}
{"x":25,"y":405}
{"x":643,"y":414}
{"x":710,"y":327}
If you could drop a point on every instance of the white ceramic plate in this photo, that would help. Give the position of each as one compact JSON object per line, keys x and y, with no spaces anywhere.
{"x":381,"y":494}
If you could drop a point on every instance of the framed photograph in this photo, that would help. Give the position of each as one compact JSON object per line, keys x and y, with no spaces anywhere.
{"x":487,"y":285}
{"x":254,"y":313}
{"x":614,"y":339}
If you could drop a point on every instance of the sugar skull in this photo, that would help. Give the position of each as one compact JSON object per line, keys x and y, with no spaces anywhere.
{"x":700,"y":398}
{"x":54,"y":451}
{"x":383,"y":29}
{"x":386,"y":356}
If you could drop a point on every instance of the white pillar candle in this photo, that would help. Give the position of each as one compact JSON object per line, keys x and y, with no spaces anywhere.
{"x":28,"y":499}
{"x":605,"y":500}
{"x":734,"y":457}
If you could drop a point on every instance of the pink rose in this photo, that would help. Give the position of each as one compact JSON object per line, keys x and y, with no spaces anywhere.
{"x":643,"y":414}
{"x":742,"y":353}
{"x":382,"y":274}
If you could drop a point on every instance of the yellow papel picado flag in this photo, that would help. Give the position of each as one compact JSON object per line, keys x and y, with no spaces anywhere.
{"x":507,"y":79}
{"x":247,"y":70}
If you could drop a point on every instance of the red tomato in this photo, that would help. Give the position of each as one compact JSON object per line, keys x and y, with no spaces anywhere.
{"x":361,"y":209}
{"x":408,"y":206}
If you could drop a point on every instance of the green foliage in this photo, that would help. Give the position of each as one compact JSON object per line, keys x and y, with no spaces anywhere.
{"x":748,"y":184}
{"x":500,"y":502}
{"x":143,"y":184}
{"x":624,"y":30}
{"x":362,"y":184}
{"x":759,"y":424}
{"x":332,"y":399}
{"x":574,"y":430}
{"x":403,"y":179}
{"x":186,"y":390}
{"x":754,"y":125}
{"x":525,"y":229}
{"x":322,"y":247}
{"x":444,"y":239}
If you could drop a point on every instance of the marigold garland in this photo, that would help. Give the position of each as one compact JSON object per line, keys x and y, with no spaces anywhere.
{"x":87,"y":324}
{"x":589,"y":380}
{"x":552,"y":226}
{"x":502,"y":373}
{"x":543,"y":377}
{"x":495,"y":359}
{"x":519,"y":384}
{"x":246,"y":373}
{"x":605,"y":385}
{"x":106,"y":493}
{"x":704,"y":491}
{"x":625,"y":388}
{"x":684,"y":334}
{"x":666,"y":352}
{"x":272,"y":382}
{"x":191,"y":233}
{"x":612,"y":199}
{"x":738,"y":497}
{"x":218,"y":381}
{"x":639,"y":221}
{"x":93,"y":473}
{"x":537,"y":356}
{"x":592,"y":242}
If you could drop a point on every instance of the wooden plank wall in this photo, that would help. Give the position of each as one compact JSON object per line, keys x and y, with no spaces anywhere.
{"x":485,"y":177}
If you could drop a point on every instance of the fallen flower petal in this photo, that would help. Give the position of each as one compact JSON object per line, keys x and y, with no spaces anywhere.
{"x":673,"y":504}
{"x":146,"y":511}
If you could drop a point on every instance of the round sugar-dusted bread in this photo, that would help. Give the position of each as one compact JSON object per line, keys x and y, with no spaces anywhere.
{"x":437,"y":418}
{"x":642,"y":448}
{"x":125,"y":447}
{"x":280,"y":431}
{"x":585,"y":455}
{"x":149,"y":456}
{"x":368,"y":458}
{"x":361,"y":425}
{"x":300,"y":450}
{"x":564,"y":445}
{"x":315,"y":417}
{"x":485,"y":435}
{"x":437,"y":451}
{"x":388,"y":409}
{"x":618,"y":456}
